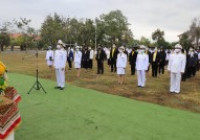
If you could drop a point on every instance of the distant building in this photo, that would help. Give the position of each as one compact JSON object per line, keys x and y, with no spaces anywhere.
{"x":16,"y":35}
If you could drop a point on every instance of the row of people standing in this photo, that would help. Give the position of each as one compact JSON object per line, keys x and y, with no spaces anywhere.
{"x":192,"y":63}
{"x":158,"y":61}
{"x":86,"y":60}
{"x":139,"y":59}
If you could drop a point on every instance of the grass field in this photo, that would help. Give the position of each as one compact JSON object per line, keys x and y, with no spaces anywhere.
{"x":156,"y":90}
{"x":84,"y":114}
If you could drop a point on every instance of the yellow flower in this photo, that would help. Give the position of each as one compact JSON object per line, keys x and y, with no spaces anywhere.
{"x":2,"y":68}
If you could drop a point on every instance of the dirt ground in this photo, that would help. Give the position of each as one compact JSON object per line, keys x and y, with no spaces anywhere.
{"x":156,"y":90}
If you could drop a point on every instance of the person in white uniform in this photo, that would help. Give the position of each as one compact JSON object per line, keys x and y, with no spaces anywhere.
{"x":50,"y":57}
{"x":91,"y":57}
{"x":77,"y":60}
{"x":176,"y":66}
{"x":142,"y":64}
{"x":121,"y":64}
{"x":59,"y":65}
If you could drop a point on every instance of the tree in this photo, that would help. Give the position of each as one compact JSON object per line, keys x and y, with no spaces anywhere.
{"x":52,"y":29}
{"x":158,"y":36}
{"x":27,"y":34}
{"x":113,"y":28}
{"x":145,"y":41}
{"x":185,"y":41}
{"x":4,"y":37}
{"x":195,"y":31}
{"x":4,"y":40}
{"x":110,"y":28}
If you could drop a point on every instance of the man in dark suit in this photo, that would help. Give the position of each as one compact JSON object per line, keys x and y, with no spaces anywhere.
{"x":162,"y":62}
{"x":70,"y":56}
{"x":132,"y":60}
{"x":100,"y":57}
{"x":113,"y":58}
{"x":192,"y":62}
{"x":155,"y":62}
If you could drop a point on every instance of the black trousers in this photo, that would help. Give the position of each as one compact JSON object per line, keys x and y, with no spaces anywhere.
{"x":133,"y":69}
{"x":90,"y":64}
{"x":162,"y":68}
{"x":198,"y":66}
{"x":184,"y":76}
{"x":100,"y":67}
{"x":69,"y":62}
{"x":154,"y":69}
{"x":113,"y":65}
{"x":191,"y":71}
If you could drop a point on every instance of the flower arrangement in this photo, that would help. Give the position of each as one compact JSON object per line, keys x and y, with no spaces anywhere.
{"x":3,"y":78}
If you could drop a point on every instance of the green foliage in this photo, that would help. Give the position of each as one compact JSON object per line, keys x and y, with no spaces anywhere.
{"x":110,"y":28}
{"x":113,"y":28}
{"x":52,"y":29}
{"x":145,"y":41}
{"x":28,"y":34}
{"x":4,"y":40}
{"x":185,"y":41}
{"x":158,"y":37}
{"x":195,"y":31}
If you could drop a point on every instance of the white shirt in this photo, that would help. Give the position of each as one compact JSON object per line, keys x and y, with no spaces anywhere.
{"x":121,"y":60}
{"x":142,"y":62}
{"x":60,"y":59}
{"x":77,"y":56}
{"x":167,"y":56}
{"x":177,"y":63}
{"x":199,"y":56}
{"x":108,"y":53}
{"x":49,"y":54}
{"x":91,"y":54}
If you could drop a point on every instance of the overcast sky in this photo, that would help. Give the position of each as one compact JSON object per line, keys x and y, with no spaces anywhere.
{"x":145,"y":16}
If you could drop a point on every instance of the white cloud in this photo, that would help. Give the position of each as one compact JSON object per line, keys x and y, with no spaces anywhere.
{"x":145,"y":16}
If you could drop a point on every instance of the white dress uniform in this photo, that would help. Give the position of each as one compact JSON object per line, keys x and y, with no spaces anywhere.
{"x":199,"y":56}
{"x":108,"y":53}
{"x":142,"y":64}
{"x":77,"y":59}
{"x":91,"y":54}
{"x":176,"y":66}
{"x":60,"y":59}
{"x":121,"y":63}
{"x":49,"y":57}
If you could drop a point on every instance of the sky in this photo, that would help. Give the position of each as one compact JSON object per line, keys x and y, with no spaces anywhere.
{"x":145,"y":16}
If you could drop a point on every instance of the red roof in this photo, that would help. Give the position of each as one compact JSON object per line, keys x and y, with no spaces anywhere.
{"x":15,"y":35}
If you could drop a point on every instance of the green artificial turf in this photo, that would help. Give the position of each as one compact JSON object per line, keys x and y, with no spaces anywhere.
{"x":83,"y":114}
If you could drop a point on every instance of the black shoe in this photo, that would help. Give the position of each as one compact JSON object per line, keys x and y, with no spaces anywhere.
{"x":61,"y":88}
{"x":57,"y":87}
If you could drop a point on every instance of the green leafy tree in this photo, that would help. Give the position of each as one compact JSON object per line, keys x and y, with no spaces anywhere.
{"x":113,"y":28}
{"x":4,"y":37}
{"x":158,"y":37}
{"x":27,"y":34}
{"x":4,"y":40}
{"x":52,"y":29}
{"x":195,"y":31}
{"x":145,"y":41}
{"x":185,"y":41}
